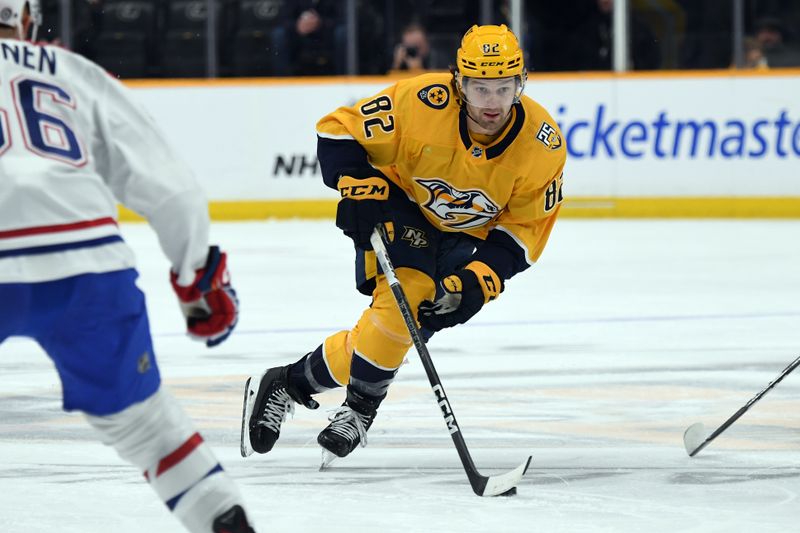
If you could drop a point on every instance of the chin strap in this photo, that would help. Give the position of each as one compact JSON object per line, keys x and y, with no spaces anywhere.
{"x":466,"y":112}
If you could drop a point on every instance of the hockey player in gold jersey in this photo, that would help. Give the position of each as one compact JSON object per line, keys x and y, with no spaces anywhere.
{"x":466,"y":171}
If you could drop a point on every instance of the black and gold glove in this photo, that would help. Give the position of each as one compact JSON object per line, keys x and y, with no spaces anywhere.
{"x":362,"y":207}
{"x":465,"y":292}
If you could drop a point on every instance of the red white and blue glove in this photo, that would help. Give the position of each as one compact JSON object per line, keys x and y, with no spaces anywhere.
{"x":209,"y":304}
{"x":465,"y":293}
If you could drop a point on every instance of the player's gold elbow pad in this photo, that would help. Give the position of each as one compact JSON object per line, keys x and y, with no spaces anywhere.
{"x":489,"y":281}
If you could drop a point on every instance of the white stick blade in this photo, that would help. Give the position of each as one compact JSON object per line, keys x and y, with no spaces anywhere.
{"x":497,"y":485}
{"x":694,"y":437}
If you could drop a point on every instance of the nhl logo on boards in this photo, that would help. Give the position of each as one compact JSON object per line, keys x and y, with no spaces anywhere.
{"x":549,"y":136}
{"x":436,"y":96}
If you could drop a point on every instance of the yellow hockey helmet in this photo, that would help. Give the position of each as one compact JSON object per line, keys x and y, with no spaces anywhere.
{"x":490,"y":52}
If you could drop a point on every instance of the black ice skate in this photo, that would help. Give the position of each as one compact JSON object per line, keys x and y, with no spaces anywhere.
{"x":267,"y":400}
{"x":233,"y":520}
{"x":348,"y":427}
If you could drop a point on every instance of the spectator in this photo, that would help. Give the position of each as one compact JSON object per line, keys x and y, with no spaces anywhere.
{"x":595,"y":39}
{"x":306,"y":43}
{"x":413,"y":50}
{"x":753,"y":54}
{"x":771,"y":36}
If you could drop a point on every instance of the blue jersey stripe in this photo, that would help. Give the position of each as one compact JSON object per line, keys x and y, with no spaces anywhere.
{"x":51,"y":248}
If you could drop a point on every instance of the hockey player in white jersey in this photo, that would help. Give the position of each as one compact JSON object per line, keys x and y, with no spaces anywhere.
{"x":72,"y":144}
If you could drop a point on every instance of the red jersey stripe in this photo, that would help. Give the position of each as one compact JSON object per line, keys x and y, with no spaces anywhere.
{"x":180,"y":454}
{"x":37,"y":230}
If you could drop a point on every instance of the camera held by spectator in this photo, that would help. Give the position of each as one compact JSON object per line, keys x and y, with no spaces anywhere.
{"x":413,"y":50}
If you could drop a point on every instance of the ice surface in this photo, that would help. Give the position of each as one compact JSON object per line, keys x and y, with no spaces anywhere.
{"x":594,"y":361}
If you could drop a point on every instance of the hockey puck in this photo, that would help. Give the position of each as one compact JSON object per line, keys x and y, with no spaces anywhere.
{"x":510,"y":492}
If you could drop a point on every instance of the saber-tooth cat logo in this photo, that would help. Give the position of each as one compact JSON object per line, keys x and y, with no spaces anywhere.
{"x":458,"y":209}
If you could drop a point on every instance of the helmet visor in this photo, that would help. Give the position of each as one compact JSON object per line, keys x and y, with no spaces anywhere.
{"x":491,"y":93}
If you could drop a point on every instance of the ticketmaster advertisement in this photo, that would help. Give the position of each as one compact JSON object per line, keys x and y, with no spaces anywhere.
{"x":684,"y":137}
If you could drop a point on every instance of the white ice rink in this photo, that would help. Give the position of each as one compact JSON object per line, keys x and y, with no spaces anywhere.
{"x":594,"y":362}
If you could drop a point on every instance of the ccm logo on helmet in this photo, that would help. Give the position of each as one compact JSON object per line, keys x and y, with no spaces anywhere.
{"x":492,"y":63}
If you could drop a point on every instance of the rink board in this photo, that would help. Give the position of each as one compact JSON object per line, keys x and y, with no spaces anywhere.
{"x":699,"y":144}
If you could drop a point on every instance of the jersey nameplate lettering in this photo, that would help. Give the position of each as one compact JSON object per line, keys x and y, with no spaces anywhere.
{"x":36,"y":58}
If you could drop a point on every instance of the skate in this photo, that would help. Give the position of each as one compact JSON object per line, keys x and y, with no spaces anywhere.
{"x":267,"y":400}
{"x":233,"y":520}
{"x":348,"y":427}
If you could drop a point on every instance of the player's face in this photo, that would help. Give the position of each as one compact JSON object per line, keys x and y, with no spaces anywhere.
{"x":489,"y":101}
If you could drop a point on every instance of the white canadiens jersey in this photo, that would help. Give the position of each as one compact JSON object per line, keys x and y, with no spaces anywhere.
{"x":72,"y":143}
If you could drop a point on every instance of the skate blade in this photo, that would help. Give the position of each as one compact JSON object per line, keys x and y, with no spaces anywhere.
{"x":327,"y":459}
{"x":245,"y":448}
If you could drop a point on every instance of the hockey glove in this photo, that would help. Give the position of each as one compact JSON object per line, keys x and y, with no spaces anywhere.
{"x":362,"y":207}
{"x":209,"y":303}
{"x":465,"y":292}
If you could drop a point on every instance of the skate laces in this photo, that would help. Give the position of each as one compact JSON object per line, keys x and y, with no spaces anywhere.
{"x":349,"y":424}
{"x":278,"y":405}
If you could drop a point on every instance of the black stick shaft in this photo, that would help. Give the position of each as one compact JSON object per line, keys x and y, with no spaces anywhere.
{"x":746,"y":407}
{"x":477,"y":481}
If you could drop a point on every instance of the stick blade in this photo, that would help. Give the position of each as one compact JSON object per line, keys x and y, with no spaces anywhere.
{"x":693,"y":437}
{"x":497,"y":485}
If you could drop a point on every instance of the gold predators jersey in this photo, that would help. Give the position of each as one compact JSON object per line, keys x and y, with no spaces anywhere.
{"x":416,"y":133}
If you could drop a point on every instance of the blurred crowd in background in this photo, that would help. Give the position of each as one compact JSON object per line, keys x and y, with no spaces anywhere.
{"x":170,"y":38}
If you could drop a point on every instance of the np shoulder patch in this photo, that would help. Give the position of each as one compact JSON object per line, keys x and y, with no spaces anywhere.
{"x":549,"y":136}
{"x":436,"y":96}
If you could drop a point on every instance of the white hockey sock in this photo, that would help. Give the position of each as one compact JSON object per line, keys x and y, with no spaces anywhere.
{"x":157,"y":437}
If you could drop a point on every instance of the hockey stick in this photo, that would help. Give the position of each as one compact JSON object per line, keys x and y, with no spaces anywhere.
{"x":693,"y":436}
{"x":502,"y":485}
